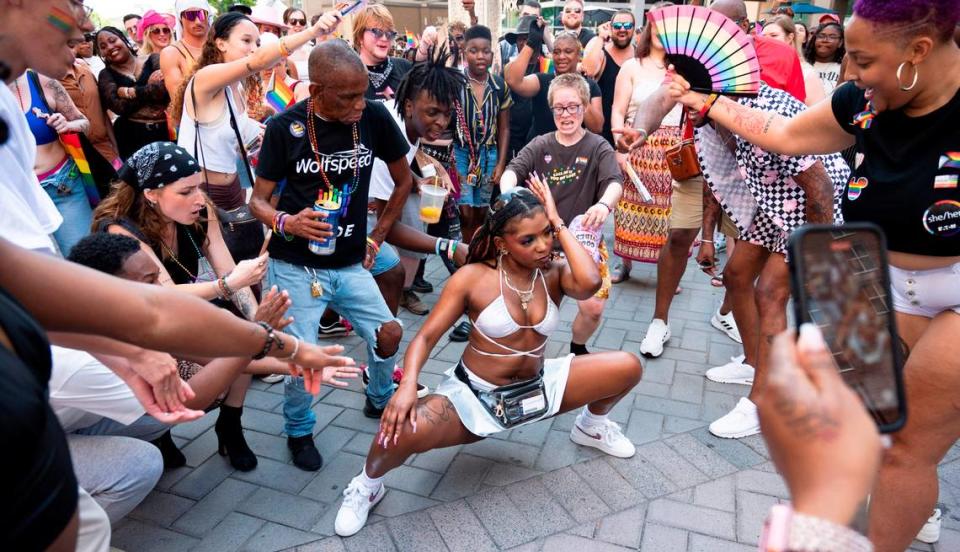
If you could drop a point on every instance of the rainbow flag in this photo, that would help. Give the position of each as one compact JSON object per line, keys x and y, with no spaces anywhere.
{"x":546,"y":65}
{"x":71,"y":143}
{"x":279,"y":95}
{"x":412,"y":41}
{"x":950,"y":160}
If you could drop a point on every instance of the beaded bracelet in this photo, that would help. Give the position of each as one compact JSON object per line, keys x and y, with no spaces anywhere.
{"x":284,"y":53}
{"x":226,"y":288}
{"x":268,"y":344}
{"x":374,"y":245}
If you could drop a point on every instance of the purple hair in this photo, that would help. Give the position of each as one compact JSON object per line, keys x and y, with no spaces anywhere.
{"x":934,"y":17}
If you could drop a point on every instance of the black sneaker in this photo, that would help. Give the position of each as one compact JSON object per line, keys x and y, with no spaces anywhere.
{"x":421,"y":286}
{"x":371,"y":411}
{"x":305,"y":453}
{"x":462,"y":332}
{"x":338,"y":329}
{"x":172,"y":457}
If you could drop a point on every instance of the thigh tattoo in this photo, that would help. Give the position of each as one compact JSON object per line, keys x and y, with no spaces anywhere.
{"x":435,"y":411}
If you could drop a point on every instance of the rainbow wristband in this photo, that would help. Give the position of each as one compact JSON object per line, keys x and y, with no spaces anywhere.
{"x":707,"y":105}
{"x":374,"y":245}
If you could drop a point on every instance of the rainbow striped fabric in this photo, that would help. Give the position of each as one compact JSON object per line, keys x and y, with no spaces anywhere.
{"x":412,"y":41}
{"x":71,"y":143}
{"x":279,"y":95}
{"x":950,"y":159}
{"x":546,"y":65}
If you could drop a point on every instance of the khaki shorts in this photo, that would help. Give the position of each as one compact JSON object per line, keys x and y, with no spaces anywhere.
{"x":686,"y":202}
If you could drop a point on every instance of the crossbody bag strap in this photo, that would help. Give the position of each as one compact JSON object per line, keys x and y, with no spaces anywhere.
{"x":236,"y":132}
{"x":197,"y":144}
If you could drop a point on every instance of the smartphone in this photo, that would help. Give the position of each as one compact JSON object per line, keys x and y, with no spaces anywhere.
{"x":840,"y":281}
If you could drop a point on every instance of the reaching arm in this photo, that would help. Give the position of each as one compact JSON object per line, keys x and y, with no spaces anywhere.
{"x":514,"y":74}
{"x":818,"y":188}
{"x":593,"y":58}
{"x":593,"y":116}
{"x":403,"y":179}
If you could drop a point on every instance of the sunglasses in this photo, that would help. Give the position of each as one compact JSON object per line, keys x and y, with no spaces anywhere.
{"x":622,"y":26}
{"x":194,"y":15}
{"x":160,"y":30}
{"x":560,"y":110}
{"x":300,"y":22}
{"x":380,"y":33}
{"x":505,"y":197}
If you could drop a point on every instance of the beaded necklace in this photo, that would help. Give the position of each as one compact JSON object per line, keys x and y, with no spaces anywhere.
{"x":341,"y":196}
{"x":173,"y":256}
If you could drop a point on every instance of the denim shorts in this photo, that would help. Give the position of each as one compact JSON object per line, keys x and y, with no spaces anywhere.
{"x":65,"y":188}
{"x":479,"y":195}
{"x":388,"y":257}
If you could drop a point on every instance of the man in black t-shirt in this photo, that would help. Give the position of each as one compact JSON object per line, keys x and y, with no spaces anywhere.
{"x":373,"y":36}
{"x":324,"y":147}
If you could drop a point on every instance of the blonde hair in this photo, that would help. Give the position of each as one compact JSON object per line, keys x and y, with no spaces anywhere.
{"x":572,"y":81}
{"x":374,"y":14}
{"x":785,"y":22}
{"x":147,"y":47}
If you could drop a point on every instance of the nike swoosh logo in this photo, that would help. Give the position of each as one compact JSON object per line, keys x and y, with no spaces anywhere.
{"x":597,"y":436}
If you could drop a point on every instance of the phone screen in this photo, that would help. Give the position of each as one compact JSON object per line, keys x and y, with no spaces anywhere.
{"x":841,"y":284}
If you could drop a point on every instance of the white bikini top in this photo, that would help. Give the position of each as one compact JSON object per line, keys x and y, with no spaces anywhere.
{"x":496,"y":322}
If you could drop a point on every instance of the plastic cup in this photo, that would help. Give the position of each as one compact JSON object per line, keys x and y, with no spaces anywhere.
{"x":431,"y":203}
{"x":589,"y":239}
{"x":329,"y":245}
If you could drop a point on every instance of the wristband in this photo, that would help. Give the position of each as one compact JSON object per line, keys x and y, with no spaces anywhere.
{"x":284,"y":53}
{"x":707,"y":105}
{"x":436,"y":246}
{"x":609,"y":210}
{"x":451,"y":249}
{"x":226,"y":288}
{"x":706,"y":241}
{"x":268,"y":343}
{"x":373,"y":244}
{"x":296,"y":349}
{"x":560,"y":227}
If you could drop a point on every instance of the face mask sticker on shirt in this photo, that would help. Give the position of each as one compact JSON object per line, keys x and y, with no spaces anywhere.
{"x":855,"y":187}
{"x":857,"y":160}
{"x":943,"y":218}
{"x":297,"y":130}
{"x":547,"y":158}
{"x":945,"y":181}
{"x":949,"y":160}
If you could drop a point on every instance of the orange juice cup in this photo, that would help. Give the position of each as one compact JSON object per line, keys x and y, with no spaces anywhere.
{"x":431,"y":203}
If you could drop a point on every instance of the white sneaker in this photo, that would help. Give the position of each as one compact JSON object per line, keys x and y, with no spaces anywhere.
{"x":726,"y":324}
{"x":742,"y":421}
{"x":607,"y":437}
{"x":272,"y":378}
{"x":657,"y":334}
{"x":734,"y":371}
{"x":357,"y":503}
{"x":931,"y":529}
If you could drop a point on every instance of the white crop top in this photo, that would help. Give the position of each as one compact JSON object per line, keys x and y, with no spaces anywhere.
{"x":217,"y":149}
{"x":495,"y":322}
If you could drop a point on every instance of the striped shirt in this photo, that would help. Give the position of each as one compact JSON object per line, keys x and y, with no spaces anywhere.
{"x":480,"y":117}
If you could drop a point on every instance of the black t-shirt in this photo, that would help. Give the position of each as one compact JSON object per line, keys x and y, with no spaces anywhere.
{"x":39,"y":485}
{"x":608,"y":84}
{"x":287,"y":154}
{"x":542,"y":114}
{"x":386,"y":89}
{"x":586,"y":35}
{"x":905,"y":174}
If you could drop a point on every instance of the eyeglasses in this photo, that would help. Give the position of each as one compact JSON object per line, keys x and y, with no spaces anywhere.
{"x":622,"y":26}
{"x":88,"y":37}
{"x":458,"y":38}
{"x":194,"y":15}
{"x":572,"y":109}
{"x":380,"y":33}
{"x":83,"y":11}
{"x":573,"y":10}
{"x":505,"y":198}
{"x":160,"y":30}
{"x":300,"y":22}
{"x":828,"y":37}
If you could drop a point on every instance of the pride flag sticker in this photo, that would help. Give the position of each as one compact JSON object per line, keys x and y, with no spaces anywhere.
{"x":950,"y":160}
{"x":855,"y":187}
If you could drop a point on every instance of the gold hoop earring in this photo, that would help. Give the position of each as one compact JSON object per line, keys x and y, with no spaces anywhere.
{"x":916,"y":76}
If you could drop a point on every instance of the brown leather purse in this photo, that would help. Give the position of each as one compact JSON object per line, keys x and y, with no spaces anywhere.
{"x":682,"y":158}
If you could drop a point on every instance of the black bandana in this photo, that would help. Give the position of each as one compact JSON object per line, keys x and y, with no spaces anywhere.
{"x":156,"y":165}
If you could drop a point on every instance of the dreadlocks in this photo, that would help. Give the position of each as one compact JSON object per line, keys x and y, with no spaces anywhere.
{"x":441,"y":82}
{"x":519,"y":202}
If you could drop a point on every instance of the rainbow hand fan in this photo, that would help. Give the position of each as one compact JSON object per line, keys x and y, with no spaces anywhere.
{"x":708,"y":49}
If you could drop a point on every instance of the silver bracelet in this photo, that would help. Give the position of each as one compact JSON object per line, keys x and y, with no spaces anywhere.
{"x":296,"y":349}
{"x":706,"y":241}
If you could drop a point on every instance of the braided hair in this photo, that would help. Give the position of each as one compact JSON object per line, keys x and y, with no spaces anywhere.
{"x":441,"y":82}
{"x":520,"y":202}
{"x":119,"y":34}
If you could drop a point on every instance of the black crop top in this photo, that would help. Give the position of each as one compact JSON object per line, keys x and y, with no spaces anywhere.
{"x":190,"y":241}
{"x":39,"y":486}
{"x":905,"y":174}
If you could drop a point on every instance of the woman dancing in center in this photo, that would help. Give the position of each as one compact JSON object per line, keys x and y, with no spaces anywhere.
{"x":510,"y":289}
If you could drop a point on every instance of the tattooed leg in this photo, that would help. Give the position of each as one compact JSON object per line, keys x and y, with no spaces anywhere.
{"x":772,"y":293}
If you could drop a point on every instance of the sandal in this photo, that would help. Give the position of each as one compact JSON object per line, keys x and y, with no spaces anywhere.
{"x":620,"y":274}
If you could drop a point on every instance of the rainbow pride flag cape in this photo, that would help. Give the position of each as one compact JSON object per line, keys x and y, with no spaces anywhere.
{"x":279,"y":95}
{"x":546,"y":65}
{"x":412,"y":41}
{"x":71,"y":143}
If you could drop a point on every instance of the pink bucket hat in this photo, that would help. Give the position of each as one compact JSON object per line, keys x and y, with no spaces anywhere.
{"x":152,"y":18}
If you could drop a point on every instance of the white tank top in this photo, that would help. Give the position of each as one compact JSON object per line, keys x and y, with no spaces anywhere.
{"x":217,"y":149}
{"x":641,"y":91}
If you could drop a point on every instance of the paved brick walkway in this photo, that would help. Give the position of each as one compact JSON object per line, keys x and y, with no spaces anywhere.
{"x":527,"y":489}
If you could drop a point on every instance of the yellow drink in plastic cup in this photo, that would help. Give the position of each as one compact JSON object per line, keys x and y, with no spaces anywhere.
{"x":431,"y":203}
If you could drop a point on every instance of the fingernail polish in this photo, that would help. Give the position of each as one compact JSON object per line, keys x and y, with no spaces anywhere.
{"x":811,"y":339}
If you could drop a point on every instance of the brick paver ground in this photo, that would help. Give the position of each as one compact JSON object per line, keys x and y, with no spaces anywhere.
{"x":527,"y":489}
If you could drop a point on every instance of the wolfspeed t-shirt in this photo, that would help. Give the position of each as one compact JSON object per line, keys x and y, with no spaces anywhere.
{"x":287,"y":154}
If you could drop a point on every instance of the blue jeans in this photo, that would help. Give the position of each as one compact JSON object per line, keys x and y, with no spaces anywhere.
{"x":65,"y":188}
{"x":387,"y":258}
{"x":479,"y":195}
{"x":353,"y":293}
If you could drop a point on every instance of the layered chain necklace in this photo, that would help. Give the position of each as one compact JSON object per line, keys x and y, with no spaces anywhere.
{"x":377,"y":79}
{"x":343,"y":194}
{"x":173,"y":256}
{"x":525,"y":295}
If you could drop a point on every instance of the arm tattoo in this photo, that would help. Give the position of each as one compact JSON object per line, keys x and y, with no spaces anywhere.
{"x":746,"y":121}
{"x":65,"y":105}
{"x":245,"y":303}
{"x":436,"y":410}
{"x":818,"y":188}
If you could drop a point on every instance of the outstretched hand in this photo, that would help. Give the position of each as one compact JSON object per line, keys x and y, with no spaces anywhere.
{"x":630,"y":138}
{"x":321,"y":364}
{"x":819,"y":434}
{"x":327,"y":23}
{"x":273,"y":307}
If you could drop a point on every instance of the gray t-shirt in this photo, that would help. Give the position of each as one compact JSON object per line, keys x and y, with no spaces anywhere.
{"x":578,"y":175}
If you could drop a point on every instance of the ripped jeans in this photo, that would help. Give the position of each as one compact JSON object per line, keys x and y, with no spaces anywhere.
{"x":353,"y":293}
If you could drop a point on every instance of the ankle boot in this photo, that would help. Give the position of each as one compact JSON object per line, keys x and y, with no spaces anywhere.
{"x":230,"y":439}
{"x":172,"y":457}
